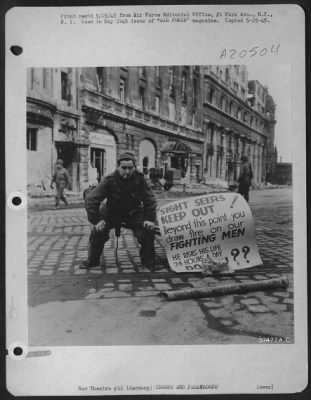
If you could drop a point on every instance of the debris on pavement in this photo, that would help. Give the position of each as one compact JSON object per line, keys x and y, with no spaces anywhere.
{"x":274,"y":283}
{"x":213,"y":265}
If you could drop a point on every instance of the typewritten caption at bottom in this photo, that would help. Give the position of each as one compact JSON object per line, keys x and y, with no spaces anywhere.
{"x":147,"y":388}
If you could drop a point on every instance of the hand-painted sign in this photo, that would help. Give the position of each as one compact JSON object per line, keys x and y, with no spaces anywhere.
{"x":216,"y":225}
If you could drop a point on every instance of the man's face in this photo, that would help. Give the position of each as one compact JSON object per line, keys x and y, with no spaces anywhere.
{"x":126,"y":168}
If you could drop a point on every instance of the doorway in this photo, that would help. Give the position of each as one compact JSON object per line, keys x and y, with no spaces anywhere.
{"x":146,"y":165}
{"x":99,"y":161}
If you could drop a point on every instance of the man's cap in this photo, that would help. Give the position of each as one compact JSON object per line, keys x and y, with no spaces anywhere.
{"x":59,"y":162}
{"x":126,"y":156}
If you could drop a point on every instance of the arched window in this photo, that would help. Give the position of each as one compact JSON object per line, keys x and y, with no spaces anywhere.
{"x":147,"y":155}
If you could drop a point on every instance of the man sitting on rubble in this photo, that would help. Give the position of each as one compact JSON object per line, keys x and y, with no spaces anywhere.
{"x":129,"y":200}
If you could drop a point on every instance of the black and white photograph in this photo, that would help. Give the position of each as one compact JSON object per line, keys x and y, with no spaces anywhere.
{"x":105,"y":148}
{"x":156,"y":212}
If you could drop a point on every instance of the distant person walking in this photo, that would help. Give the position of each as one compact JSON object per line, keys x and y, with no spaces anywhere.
{"x":205,"y":176}
{"x":62,"y":181}
{"x":245,"y":178}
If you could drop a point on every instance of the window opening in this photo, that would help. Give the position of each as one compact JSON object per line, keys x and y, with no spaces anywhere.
{"x":64,"y":85}
{"x":122,"y":89}
{"x":98,"y":161}
{"x":32,"y":139}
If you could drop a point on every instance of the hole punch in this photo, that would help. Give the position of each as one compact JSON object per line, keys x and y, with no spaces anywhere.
{"x":16,"y":201}
{"x":18,"y":351}
{"x":16,"y":50}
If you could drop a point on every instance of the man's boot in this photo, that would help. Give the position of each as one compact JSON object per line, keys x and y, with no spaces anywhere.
{"x":97,"y":242}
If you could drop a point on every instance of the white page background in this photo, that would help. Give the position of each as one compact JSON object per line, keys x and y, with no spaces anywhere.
{"x":47,"y":43}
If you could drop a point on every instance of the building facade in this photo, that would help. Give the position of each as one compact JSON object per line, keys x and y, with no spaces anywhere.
{"x":154,"y":112}
{"x":234,"y":123}
{"x":193,"y":120}
{"x":52,"y":122}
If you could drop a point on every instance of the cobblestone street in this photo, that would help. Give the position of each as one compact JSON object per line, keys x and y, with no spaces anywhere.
{"x":119,"y":303}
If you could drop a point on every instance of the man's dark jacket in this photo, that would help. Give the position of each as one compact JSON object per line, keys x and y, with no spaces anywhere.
{"x":246,"y":174}
{"x":124,"y":197}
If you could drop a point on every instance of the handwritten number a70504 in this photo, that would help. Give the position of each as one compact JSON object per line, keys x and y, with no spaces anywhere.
{"x":235,"y":54}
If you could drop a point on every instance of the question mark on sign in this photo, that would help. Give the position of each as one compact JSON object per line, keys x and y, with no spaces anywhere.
{"x":246,"y":250}
{"x":235,"y":253}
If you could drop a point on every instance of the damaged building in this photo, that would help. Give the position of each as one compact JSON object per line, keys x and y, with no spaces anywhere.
{"x":196,"y":121}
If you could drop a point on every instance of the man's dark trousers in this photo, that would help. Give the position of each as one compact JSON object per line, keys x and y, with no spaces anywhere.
{"x":244,"y":190}
{"x":134,"y":222}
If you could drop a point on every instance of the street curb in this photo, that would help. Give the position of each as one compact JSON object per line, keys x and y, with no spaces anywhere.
{"x":48,"y":201}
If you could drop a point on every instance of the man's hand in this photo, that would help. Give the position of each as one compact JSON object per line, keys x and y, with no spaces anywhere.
{"x":100,"y":226}
{"x":149,"y":225}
